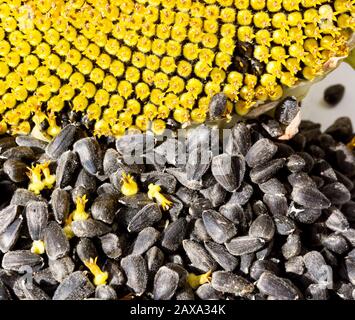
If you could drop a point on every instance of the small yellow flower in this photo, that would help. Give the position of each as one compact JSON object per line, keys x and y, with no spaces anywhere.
{"x":100,"y":277}
{"x":129,"y":186}
{"x":38,"y":247}
{"x":196,"y":280}
{"x":154,"y":193}
{"x":79,"y":214}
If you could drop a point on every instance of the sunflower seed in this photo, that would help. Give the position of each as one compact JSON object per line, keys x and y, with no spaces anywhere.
{"x":262,"y":227}
{"x":207,"y":292}
{"x":90,"y":228}
{"x":228,"y":171}
{"x":216,"y":194}
{"x":239,"y":140}
{"x":4,"y":293}
{"x":10,"y":235}
{"x":16,"y":170}
{"x":337,"y":221}
{"x":138,"y":200}
{"x":310,"y":197}
{"x":31,"y":142}
{"x":30,"y":292}
{"x":217,"y":106}
{"x":90,"y":155}
{"x":244,"y":245}
{"x":218,"y":227}
{"x":287,"y":110}
{"x":165,"y":180}
{"x":22,"y":196}
{"x":104,"y":208}
{"x":229,"y":282}
{"x":86,"y":180}
{"x":292,"y":246}
{"x":136,"y":272}
{"x":276,"y":203}
{"x":335,"y":243}
{"x":350,"y":269}
{"x":277,"y":287}
{"x":37,"y":218}
{"x":182,"y":177}
{"x":165,"y":283}
{"x":337,"y":193}
{"x":105,"y":292}
{"x":145,"y":217}
{"x":273,"y":186}
{"x":303,"y":215}
{"x":199,"y":232}
{"x":137,"y":143}
{"x":111,"y":245}
{"x":295,"y":163}
{"x":110,"y":162}
{"x":187,"y":196}
{"x":344,"y":180}
{"x":341,"y":129}
{"x":261,"y":152}
{"x":345,"y":159}
{"x":316,"y":292}
{"x":323,"y":169}
{"x":317,"y":267}
{"x":68,"y":165}
{"x":185,"y":294}
{"x":62,"y":142}
{"x":284,"y":225}
{"x":242,"y":195}
{"x":16,"y":260}
{"x":246,"y":261}
{"x":198,"y":256}
{"x":74,"y":287}
{"x":61,"y":268}
{"x":56,"y":243}
{"x":264,"y":172}
{"x":145,"y":239}
{"x":218,"y":252}
{"x":198,"y":163}
{"x":261,"y":266}
{"x":60,"y":203}
{"x":174,"y":234}
{"x":232,"y":212}
{"x":8,"y":215}
{"x":155,"y":259}
{"x":295,"y":265}
{"x":116,"y":277}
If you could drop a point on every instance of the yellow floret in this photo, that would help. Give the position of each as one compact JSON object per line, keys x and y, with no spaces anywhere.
{"x":79,"y":213}
{"x":154,"y":193}
{"x":195,"y":281}
{"x":129,"y":186}
{"x":100,"y":277}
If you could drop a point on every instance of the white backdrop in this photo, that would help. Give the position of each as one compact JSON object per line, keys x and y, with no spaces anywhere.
{"x":315,"y":109}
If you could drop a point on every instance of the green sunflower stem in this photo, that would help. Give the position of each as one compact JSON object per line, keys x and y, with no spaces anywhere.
{"x":351,"y":59}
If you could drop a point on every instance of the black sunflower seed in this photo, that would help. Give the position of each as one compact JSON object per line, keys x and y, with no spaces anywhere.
{"x":260,"y":152}
{"x":165,"y":283}
{"x":244,"y":244}
{"x":136,"y":272}
{"x":229,"y":282}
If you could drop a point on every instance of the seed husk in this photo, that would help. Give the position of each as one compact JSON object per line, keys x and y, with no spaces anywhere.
{"x":17,"y":260}
{"x":174,"y":234}
{"x":317,"y":267}
{"x":277,"y":287}
{"x":8,"y":215}
{"x":218,"y":227}
{"x":284,"y":225}
{"x":273,"y":186}
{"x":260,"y":152}
{"x":22,"y":196}
{"x":218,"y":252}
{"x":10,"y":235}
{"x":62,"y":142}
{"x":155,"y":259}
{"x":228,"y":171}
{"x":229,"y":282}
{"x":262,"y":227}
{"x":337,"y":221}
{"x":60,"y":203}
{"x":37,"y":218}
{"x":165,"y":283}
{"x":61,"y":268}
{"x":90,"y":228}
{"x":217,"y":106}
{"x":276,"y":203}
{"x":287,"y":110}
{"x":337,"y":193}
{"x":56,"y":243}
{"x":295,"y":265}
{"x":244,"y":245}
{"x":111,"y":245}
{"x":239,"y":140}
{"x":136,"y":272}
{"x":68,"y":165}
{"x":165,"y":180}
{"x":335,"y":243}
{"x":90,"y":155}
{"x":145,"y":240}
{"x":74,"y":287}
{"x":310,"y":197}
{"x":104,"y":208}
{"x":242,"y":195}
{"x":207,"y":292}
{"x":260,"y":266}
{"x":264,"y":172}
{"x":292,"y":246}
{"x":145,"y":217}
{"x":334,"y":94}
{"x":105,"y":292}
{"x":16,"y":170}
{"x":198,"y":256}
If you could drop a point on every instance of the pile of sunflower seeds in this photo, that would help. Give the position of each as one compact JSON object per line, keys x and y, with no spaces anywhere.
{"x":270,"y":219}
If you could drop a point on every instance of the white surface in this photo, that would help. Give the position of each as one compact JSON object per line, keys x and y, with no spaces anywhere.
{"x":316,"y":109}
